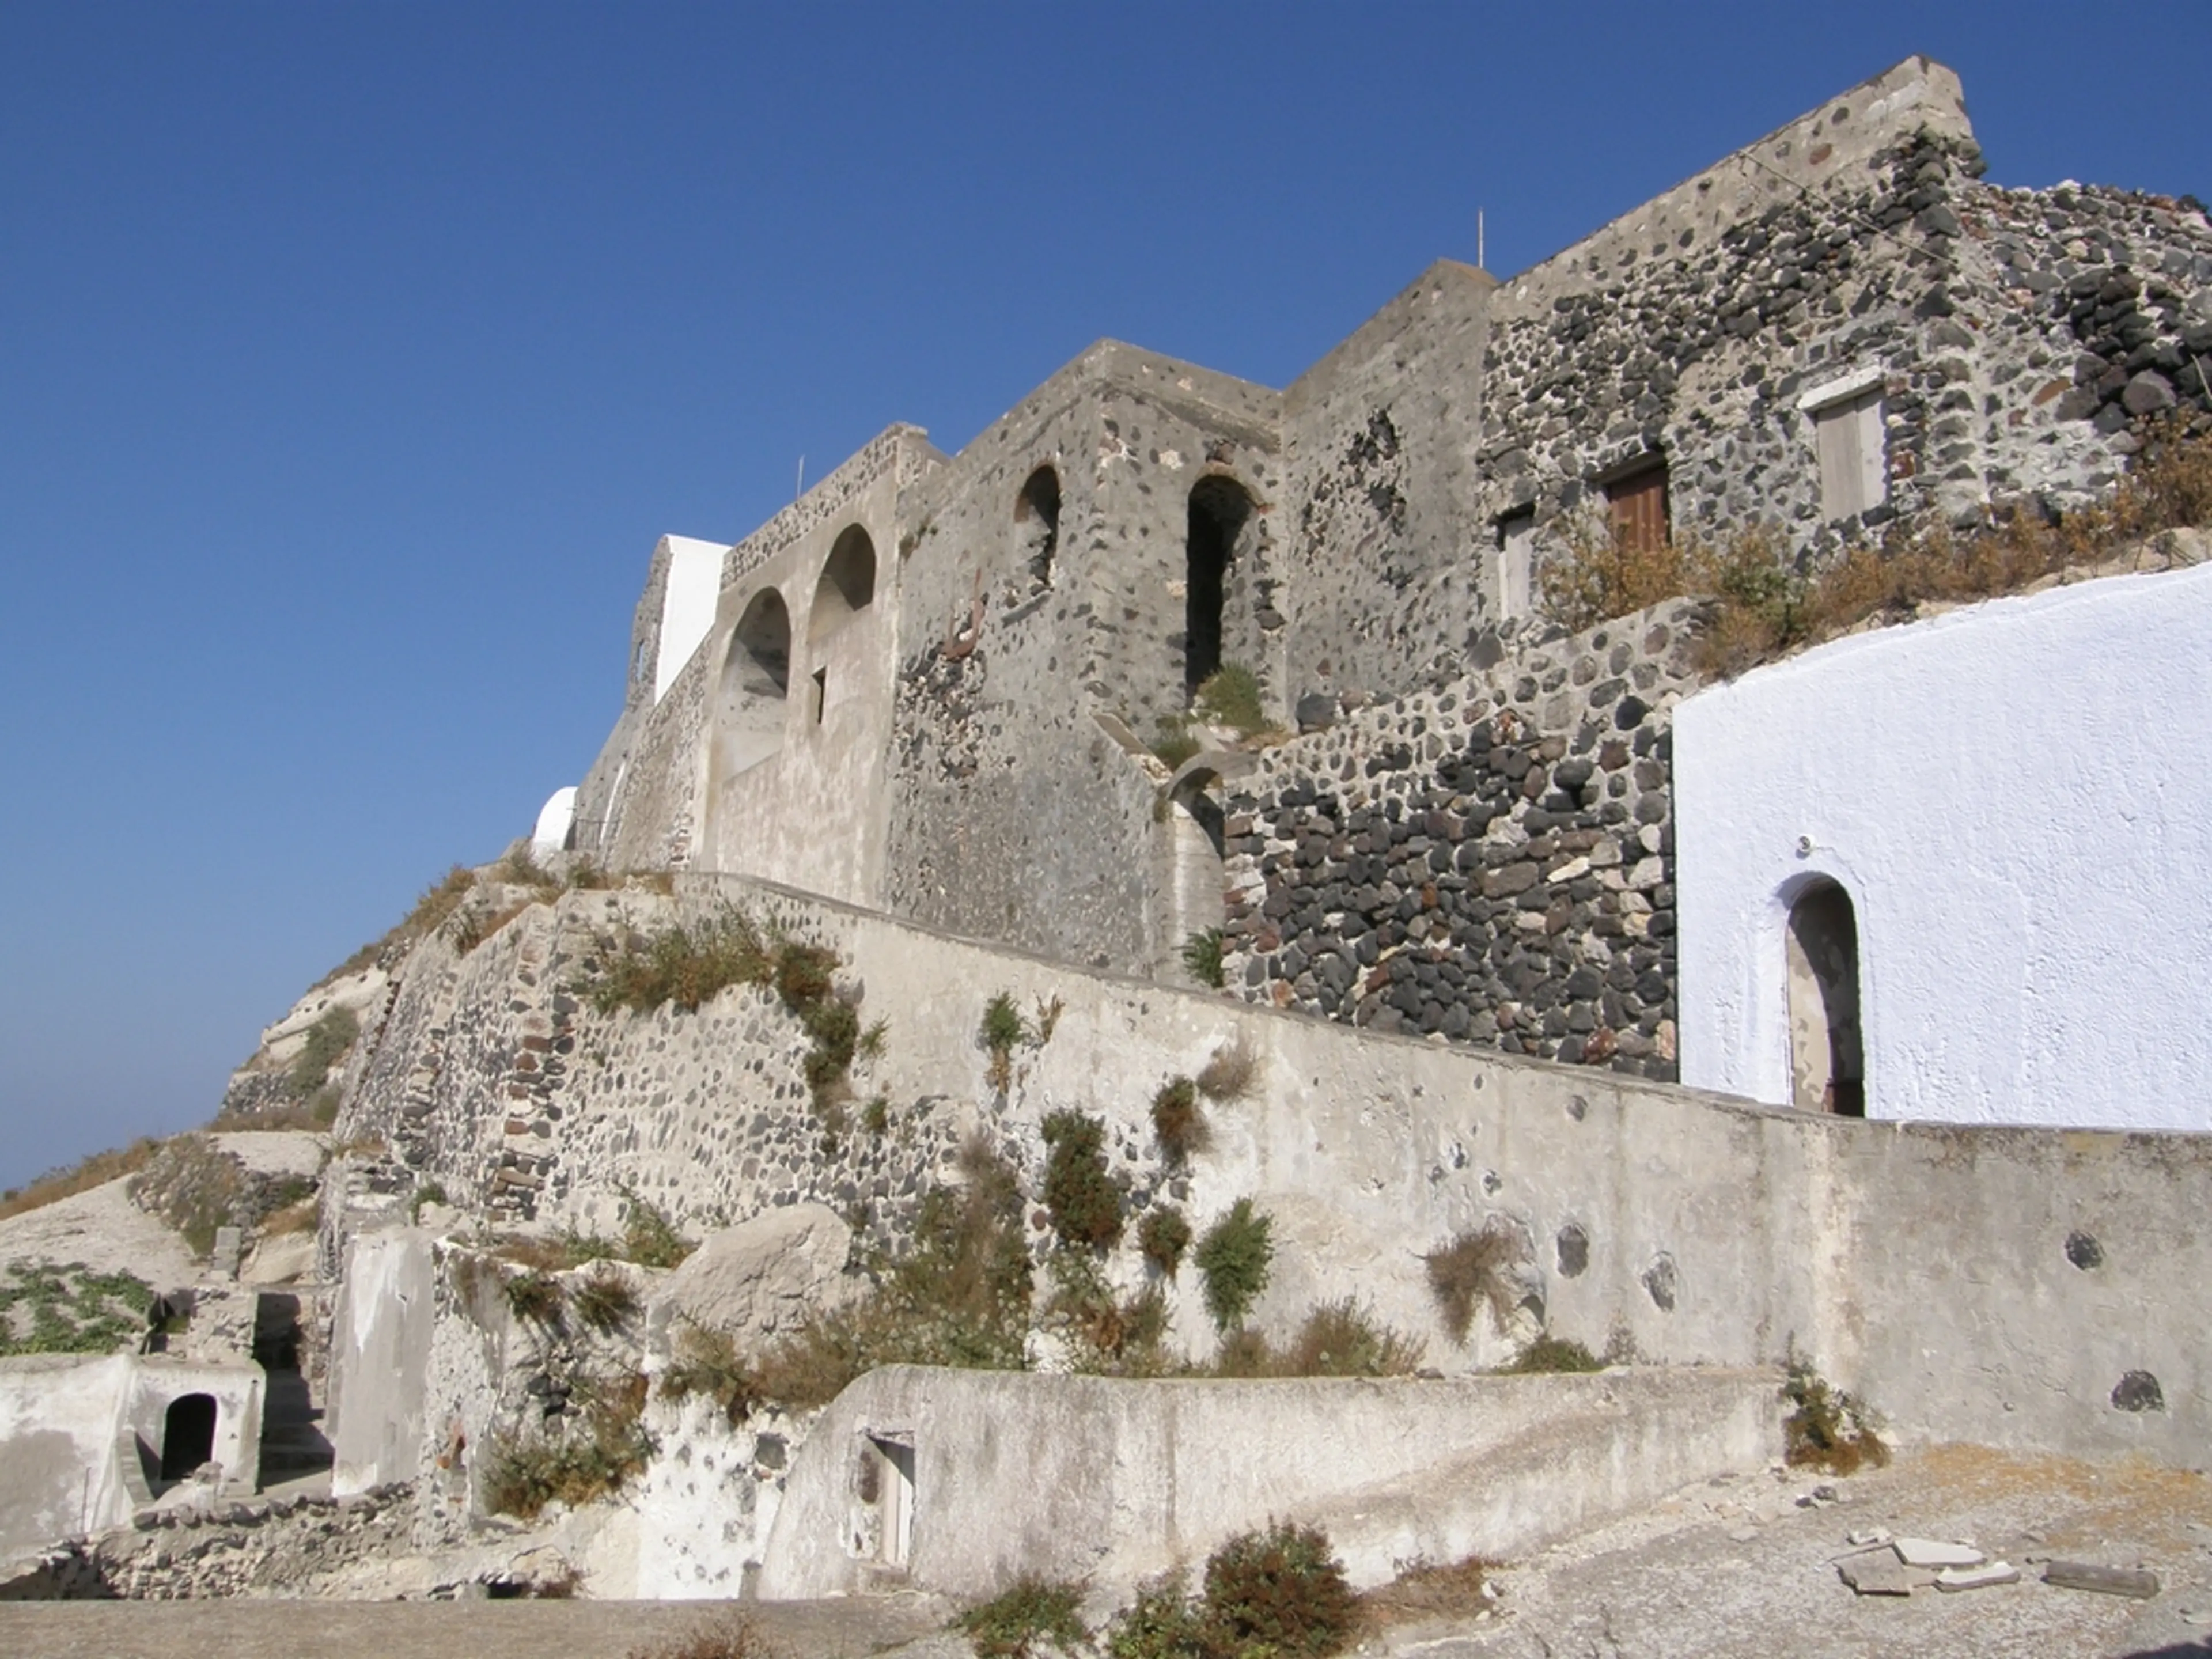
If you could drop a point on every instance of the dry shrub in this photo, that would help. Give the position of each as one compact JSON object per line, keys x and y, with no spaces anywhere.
{"x":1020,"y":1621}
{"x":707,"y":1362}
{"x":478,"y":922}
{"x":96,"y":1171}
{"x":1178,"y":1124}
{"x":605,"y":1300}
{"x":1595,"y":575}
{"x":1229,"y":1073}
{"x":1116,"y":1337}
{"x":298,"y":1218}
{"x":1164,"y":1234}
{"x":594,"y":1454}
{"x":1337,"y":1338}
{"x":1549,"y":1354}
{"x":1084,"y":1203}
{"x":1477,"y":1266}
{"x":732,"y":1636}
{"x":1422,"y":1592}
{"x":1280,"y":1593}
{"x":1828,"y":1429}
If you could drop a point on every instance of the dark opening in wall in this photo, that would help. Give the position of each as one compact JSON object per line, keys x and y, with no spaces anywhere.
{"x":1219,"y":508}
{"x":1827,"y":1062}
{"x":188,"y":1434}
{"x":847,"y":585}
{"x":1037,"y":525}
{"x":756,"y":675}
{"x":1636,"y":507}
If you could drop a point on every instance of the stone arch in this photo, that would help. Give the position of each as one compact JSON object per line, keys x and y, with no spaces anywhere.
{"x":188,"y":1434}
{"x":847,"y":586}
{"x":1828,"y":1054}
{"x":1219,"y":508}
{"x":749,"y":714}
{"x":1037,"y":525}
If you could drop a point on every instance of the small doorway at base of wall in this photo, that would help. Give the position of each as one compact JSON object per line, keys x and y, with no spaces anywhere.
{"x":188,"y":1434}
{"x":1828,"y":1054}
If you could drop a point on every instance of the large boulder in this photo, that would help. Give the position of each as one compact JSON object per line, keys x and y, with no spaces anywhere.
{"x":764,"y":1278}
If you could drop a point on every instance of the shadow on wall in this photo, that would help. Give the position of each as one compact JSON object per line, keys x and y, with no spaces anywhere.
{"x":756,"y":679}
{"x":1827,"y":1062}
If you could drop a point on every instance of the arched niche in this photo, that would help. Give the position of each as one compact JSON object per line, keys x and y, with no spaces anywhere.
{"x":1037,"y":525}
{"x":1196,"y":877}
{"x":756,"y":679}
{"x":1827,"y":1054}
{"x":188,"y":1434}
{"x":1219,"y":508}
{"x":847,"y":586}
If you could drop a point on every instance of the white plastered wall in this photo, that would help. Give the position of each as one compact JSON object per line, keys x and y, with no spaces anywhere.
{"x":2013,"y":795}
{"x":687,"y":605}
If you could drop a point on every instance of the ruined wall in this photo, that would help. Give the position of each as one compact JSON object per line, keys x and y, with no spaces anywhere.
{"x":1491,"y":861}
{"x":1386,"y":558}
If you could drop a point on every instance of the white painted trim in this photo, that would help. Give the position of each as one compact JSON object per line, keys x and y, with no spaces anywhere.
{"x":1844,"y":386}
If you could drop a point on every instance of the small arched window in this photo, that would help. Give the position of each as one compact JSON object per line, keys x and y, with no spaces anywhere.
{"x":847,"y":584}
{"x":756,"y":676}
{"x":1827,"y":1054}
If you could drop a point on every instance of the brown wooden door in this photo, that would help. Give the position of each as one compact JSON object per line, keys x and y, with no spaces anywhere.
{"x":1638,"y":507}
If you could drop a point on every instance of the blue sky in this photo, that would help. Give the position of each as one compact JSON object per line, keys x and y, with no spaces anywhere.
{"x":352,"y":357}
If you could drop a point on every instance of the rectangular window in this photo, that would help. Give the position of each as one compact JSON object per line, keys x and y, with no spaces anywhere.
{"x":1516,"y":565}
{"x":1636,"y":506}
{"x":1854,"y":461}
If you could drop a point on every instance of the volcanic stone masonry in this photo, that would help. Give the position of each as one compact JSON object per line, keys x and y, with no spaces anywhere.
{"x":1491,"y":861}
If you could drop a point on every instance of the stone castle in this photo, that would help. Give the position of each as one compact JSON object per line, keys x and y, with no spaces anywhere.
{"x":1213,"y":731}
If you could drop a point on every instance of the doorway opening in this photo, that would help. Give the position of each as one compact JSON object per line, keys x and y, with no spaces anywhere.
{"x":1219,"y":508}
{"x":188,"y":1434}
{"x":1827,"y":1055}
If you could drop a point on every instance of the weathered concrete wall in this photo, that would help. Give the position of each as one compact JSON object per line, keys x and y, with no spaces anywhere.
{"x":2009,"y":795}
{"x":379,"y":1360}
{"x":1113,"y":1482}
{"x":76,"y":1434}
{"x":1492,"y":860}
{"x":1695,"y":1229}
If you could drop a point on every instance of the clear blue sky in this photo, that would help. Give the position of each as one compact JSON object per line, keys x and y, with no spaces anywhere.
{"x":352,"y":357}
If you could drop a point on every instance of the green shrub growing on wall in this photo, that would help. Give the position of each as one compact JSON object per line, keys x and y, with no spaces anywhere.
{"x":1231,"y":696}
{"x":1164,"y":1234}
{"x":1178,"y":1124}
{"x":1084,"y":1204}
{"x":999,"y":1035}
{"x":1025,"y":1619}
{"x":1233,"y":1257}
{"x":596,"y":1454}
{"x":328,"y":1039}
{"x":1201,"y":956}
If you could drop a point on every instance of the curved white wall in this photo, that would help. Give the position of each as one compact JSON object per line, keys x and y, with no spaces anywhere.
{"x":2015,"y":797}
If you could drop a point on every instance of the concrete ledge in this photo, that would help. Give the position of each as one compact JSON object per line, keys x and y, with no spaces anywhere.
{"x":1006,"y":1472}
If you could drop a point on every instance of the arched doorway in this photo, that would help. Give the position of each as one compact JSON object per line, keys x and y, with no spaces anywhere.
{"x":188,"y":1434}
{"x":756,"y":675}
{"x":1219,"y":509}
{"x":1037,"y":525}
{"x":1827,"y":1055}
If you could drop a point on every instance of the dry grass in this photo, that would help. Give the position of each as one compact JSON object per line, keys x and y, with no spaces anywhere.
{"x":1828,"y":1429}
{"x":82,"y":1176}
{"x":298,"y":1217}
{"x":1422,"y":1592}
{"x":734,"y":1636}
{"x":1762,"y":608}
{"x":1477,"y":1266}
{"x":1337,"y":1338}
{"x":1230,"y":1072}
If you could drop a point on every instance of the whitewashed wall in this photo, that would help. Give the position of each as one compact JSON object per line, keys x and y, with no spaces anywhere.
{"x":2015,"y":797}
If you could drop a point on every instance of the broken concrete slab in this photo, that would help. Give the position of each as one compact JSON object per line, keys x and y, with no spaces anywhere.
{"x":2103,"y":1581}
{"x":1935,"y":1553}
{"x":1981,"y":1577}
{"x":1878,"y":1572}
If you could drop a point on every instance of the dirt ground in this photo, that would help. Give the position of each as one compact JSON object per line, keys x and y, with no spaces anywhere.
{"x":1734,"y":1569}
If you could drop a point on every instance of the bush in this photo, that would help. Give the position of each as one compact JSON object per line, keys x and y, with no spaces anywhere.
{"x":1164,"y":1234}
{"x":1229,"y":696}
{"x":605,"y":1301}
{"x":1280,"y":1593}
{"x":1828,"y":1429}
{"x":649,"y":1237}
{"x":1477,"y":1265}
{"x":707,"y":1362}
{"x":1084,"y":1204}
{"x":536,"y":1298}
{"x":1012,"y":1623}
{"x":1228,"y":1072}
{"x":1202,"y":958}
{"x":733,"y":1637}
{"x":1117,"y":1337}
{"x":594,"y":1456}
{"x":1234,"y":1256}
{"x":1552,"y":1353}
{"x":999,"y":1034}
{"x":1175,"y":743}
{"x":1177,"y":1123}
{"x":679,"y":964}
{"x":1423,"y":1592}
{"x":327,"y":1041}
{"x":1341,"y":1339}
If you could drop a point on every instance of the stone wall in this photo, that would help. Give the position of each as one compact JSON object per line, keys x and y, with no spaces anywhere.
{"x":1491,"y":861}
